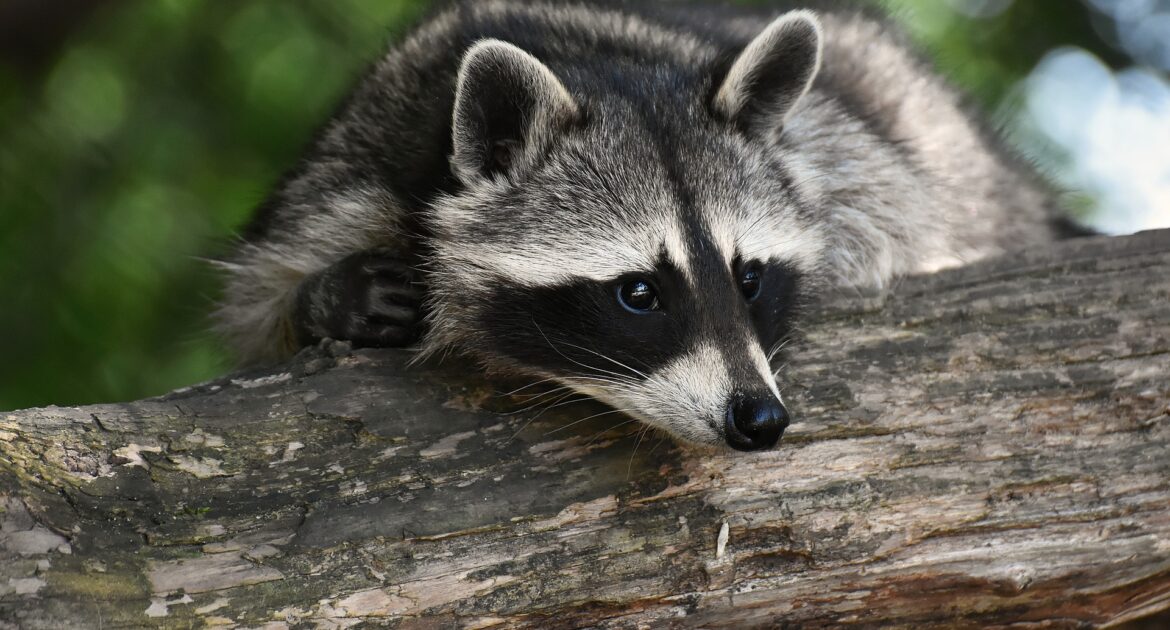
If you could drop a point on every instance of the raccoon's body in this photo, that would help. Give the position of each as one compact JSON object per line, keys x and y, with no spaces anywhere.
{"x":629,"y":200}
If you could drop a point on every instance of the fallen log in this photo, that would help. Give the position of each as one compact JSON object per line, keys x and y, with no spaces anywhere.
{"x":985,"y":446}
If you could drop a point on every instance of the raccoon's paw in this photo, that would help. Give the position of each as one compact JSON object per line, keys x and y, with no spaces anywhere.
{"x":370,"y":299}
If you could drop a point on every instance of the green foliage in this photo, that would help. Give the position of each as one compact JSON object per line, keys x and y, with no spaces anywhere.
{"x":987,"y":56}
{"x":135,"y":156}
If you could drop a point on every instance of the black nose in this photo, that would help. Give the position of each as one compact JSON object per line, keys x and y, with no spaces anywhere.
{"x":755,"y":422}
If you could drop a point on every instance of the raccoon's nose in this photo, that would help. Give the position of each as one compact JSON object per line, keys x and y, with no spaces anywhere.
{"x":754,"y":422}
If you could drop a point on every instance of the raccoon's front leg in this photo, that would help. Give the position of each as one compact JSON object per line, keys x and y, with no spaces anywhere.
{"x":370,"y":298}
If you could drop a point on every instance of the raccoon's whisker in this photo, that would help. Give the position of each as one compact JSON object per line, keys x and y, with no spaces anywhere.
{"x":752,"y":226}
{"x":597,"y":370}
{"x":604,"y":431}
{"x":661,"y":439}
{"x":596,"y":415}
{"x":520,"y":389}
{"x":537,"y":398}
{"x":776,"y":350}
{"x":607,"y":358}
{"x":637,"y":443}
{"x":619,"y":382}
{"x":566,"y":357}
{"x":545,"y":392}
{"x":550,"y":396}
{"x":615,"y":378}
{"x":559,"y":402}
{"x":591,"y":351}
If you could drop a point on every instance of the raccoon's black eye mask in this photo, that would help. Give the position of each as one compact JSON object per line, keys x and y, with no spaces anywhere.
{"x":642,"y":320}
{"x":639,"y":295}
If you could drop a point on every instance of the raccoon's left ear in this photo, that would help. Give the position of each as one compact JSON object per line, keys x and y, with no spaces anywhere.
{"x":771,"y":74}
{"x":508,"y":106}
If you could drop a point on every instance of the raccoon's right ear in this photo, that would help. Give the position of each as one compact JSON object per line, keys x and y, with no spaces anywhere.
{"x":772,"y":73}
{"x":508,"y":106}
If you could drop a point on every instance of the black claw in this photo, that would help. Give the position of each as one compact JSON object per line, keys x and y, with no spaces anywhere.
{"x":387,"y":266}
{"x":392,"y":314}
{"x":383,"y":336}
{"x":395,"y":295}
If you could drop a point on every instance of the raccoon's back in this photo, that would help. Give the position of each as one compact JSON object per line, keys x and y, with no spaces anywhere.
{"x":394,"y":133}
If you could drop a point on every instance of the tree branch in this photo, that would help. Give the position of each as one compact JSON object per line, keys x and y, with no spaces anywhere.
{"x":982,"y":446}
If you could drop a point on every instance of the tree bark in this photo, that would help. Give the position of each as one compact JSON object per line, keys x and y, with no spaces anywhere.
{"x":981,"y":447}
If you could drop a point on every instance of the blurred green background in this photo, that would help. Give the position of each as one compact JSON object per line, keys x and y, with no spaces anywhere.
{"x":137,"y":135}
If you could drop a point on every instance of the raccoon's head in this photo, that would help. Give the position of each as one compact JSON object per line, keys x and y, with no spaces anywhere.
{"x":632,"y":232}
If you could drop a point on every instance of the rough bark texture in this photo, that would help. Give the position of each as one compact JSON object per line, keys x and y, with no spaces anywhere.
{"x":982,"y":447}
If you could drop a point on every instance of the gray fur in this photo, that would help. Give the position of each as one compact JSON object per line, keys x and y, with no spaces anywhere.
{"x":863,"y":167}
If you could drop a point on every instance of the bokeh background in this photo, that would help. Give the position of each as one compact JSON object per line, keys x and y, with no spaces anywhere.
{"x":136,"y":136}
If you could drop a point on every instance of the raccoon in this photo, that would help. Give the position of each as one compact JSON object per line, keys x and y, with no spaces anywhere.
{"x":631,"y":200}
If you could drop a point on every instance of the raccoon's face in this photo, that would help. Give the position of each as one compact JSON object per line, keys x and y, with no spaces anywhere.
{"x":653,"y":261}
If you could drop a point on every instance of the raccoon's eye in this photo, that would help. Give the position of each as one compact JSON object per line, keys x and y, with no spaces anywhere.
{"x":749,"y":283}
{"x":638,"y":296}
